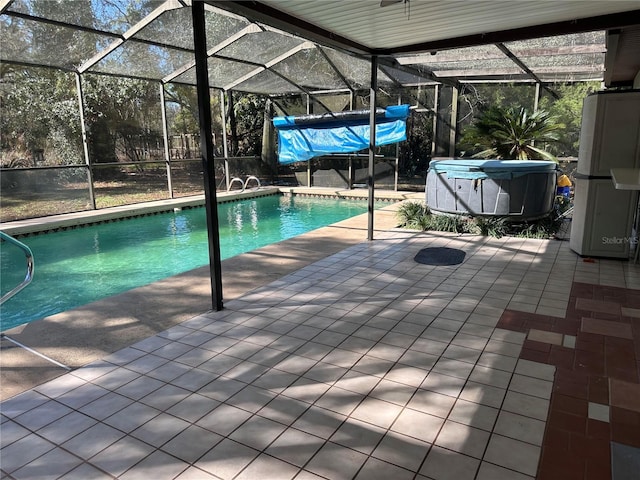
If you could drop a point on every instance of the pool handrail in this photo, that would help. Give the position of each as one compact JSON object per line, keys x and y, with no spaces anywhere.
{"x":245,"y":183}
{"x":251,"y":177}
{"x":233,"y":180}
{"x":30,"y":266}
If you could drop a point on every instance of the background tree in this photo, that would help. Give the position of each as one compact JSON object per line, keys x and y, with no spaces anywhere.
{"x":512,"y":134}
{"x":568,"y":111}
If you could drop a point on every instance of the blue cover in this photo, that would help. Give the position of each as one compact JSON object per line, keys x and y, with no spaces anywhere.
{"x":337,"y":134}
{"x":496,"y":169}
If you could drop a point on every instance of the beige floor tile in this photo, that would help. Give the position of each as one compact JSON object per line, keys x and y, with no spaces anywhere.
{"x":527,"y":405}
{"x":257,"y":432}
{"x":376,"y":412}
{"x":407,"y":375}
{"x":545,"y":336}
{"x":597,"y":411}
{"x":463,"y":439}
{"x":156,"y":465}
{"x":295,"y":447}
{"x":523,"y":457}
{"x":463,"y":354}
{"x":443,"y":464}
{"x":375,"y":469}
{"x":488,"y":471}
{"x":319,"y":421}
{"x":418,"y":425}
{"x":404,"y":451}
{"x":490,"y":376}
{"x":444,"y":384}
{"x":358,"y":435}
{"x":542,"y":371}
{"x":393,"y":392}
{"x":474,"y":414}
{"x":497,"y":361}
{"x":334,"y":461}
{"x":266,"y":467}
{"x":227,"y":459}
{"x":525,"y":429}
{"x":432,"y":403}
{"x":503,"y":348}
{"x":453,"y":368}
{"x":339,"y":400}
{"x":483,"y":394}
{"x":531,"y":386}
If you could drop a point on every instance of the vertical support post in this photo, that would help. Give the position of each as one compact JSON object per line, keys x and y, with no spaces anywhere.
{"x":453,"y":124}
{"x":434,"y":135}
{"x":536,"y":99}
{"x":225,"y":147}
{"x":165,"y":139}
{"x":308,"y":161}
{"x":372,"y":142}
{"x":85,"y":145}
{"x":206,"y":151}
{"x":350,"y":183}
{"x":397,"y":173}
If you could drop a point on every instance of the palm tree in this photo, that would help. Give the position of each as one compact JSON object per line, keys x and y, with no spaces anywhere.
{"x":511,"y":134}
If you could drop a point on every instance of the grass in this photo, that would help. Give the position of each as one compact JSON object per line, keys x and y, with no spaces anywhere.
{"x":18,"y":204}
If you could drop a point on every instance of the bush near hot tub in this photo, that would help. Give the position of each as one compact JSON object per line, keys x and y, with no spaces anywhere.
{"x":417,"y":216}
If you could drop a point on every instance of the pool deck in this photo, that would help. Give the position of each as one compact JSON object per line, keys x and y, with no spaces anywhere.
{"x":339,"y":358}
{"x":82,"y":335}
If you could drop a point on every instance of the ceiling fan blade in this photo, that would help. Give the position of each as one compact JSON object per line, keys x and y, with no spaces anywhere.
{"x":386,"y":3}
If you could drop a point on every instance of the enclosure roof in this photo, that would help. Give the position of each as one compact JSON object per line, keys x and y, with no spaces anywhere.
{"x":291,"y":46}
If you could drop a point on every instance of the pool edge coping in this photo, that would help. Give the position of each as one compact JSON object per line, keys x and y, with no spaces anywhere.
{"x":89,"y":217}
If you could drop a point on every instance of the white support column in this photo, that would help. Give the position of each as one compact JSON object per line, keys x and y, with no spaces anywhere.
{"x":536,"y":99}
{"x":453,"y":125}
{"x":85,"y":145}
{"x":225,"y":147}
{"x":435,"y":120}
{"x":309,"y":176}
{"x":372,"y":142}
{"x":165,"y":138}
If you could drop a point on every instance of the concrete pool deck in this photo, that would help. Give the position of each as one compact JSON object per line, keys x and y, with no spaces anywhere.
{"x":82,"y":335}
{"x":520,"y":362}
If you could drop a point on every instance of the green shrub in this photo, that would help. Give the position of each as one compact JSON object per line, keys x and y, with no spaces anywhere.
{"x":492,"y":226}
{"x":417,"y":216}
{"x":413,"y":215}
{"x":448,"y":223}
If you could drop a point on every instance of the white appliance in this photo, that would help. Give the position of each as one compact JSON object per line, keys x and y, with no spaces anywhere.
{"x":609,"y":138}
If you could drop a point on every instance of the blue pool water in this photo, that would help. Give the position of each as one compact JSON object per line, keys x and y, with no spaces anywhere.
{"x":76,"y":267}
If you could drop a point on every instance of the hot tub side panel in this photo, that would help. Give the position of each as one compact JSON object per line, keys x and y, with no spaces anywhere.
{"x":527,"y":196}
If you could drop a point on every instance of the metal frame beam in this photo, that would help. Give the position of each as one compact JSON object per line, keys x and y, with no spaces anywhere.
{"x":206,"y":148}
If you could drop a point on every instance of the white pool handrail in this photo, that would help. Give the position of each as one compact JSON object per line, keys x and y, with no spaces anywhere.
{"x":30,"y":266}
{"x":245,"y":183}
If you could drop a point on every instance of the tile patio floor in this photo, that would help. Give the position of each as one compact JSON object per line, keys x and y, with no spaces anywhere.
{"x":520,"y":362}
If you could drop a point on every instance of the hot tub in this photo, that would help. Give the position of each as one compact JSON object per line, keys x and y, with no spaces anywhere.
{"x":516,"y":189}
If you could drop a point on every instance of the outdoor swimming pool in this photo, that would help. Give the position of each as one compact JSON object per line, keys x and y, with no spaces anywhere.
{"x":79,"y":266}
